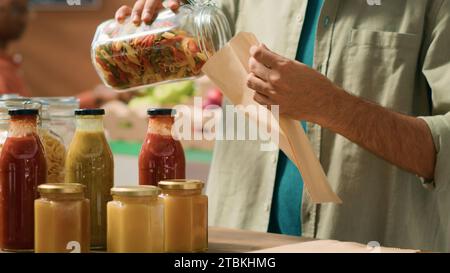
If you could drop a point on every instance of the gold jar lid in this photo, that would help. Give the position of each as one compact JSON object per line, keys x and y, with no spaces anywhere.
{"x":136,"y":191}
{"x":61,"y":188}
{"x":181,"y":184}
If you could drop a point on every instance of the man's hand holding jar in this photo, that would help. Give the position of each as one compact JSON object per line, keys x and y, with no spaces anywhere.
{"x":145,"y":10}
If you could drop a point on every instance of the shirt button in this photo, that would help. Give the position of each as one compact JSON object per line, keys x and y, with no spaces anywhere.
{"x":326,"y":21}
{"x":274,"y":159}
{"x":299,"y":18}
{"x":267,"y":208}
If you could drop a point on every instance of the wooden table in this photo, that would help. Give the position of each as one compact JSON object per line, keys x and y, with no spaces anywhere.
{"x":222,"y":240}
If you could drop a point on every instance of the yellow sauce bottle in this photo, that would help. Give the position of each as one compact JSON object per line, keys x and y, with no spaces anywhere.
{"x":186,"y":216}
{"x":136,"y":220}
{"x":90,"y":162}
{"x":61,"y":219}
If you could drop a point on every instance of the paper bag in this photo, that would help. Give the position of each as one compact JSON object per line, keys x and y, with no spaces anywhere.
{"x":228,"y":69}
{"x":331,"y":246}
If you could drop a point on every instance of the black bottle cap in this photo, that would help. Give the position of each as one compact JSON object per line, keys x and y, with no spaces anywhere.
{"x":90,"y":112}
{"x":23,"y":112}
{"x":161,"y":112}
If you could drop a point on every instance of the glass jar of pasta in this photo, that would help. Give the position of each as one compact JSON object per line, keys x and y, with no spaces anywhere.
{"x":55,"y":151}
{"x":175,"y":47}
{"x":61,"y":115}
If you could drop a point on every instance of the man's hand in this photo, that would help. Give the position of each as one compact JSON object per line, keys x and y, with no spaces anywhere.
{"x":300,"y":91}
{"x":305,"y":94}
{"x":144,"y":10}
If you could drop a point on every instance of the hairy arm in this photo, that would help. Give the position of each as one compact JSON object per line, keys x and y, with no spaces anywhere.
{"x":402,"y":140}
{"x":304,"y":94}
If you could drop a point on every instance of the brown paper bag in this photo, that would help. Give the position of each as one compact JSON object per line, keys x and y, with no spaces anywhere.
{"x":228,"y":69}
{"x":332,"y":246}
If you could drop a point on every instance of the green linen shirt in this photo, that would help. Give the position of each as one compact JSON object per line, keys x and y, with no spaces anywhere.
{"x":395,"y":53}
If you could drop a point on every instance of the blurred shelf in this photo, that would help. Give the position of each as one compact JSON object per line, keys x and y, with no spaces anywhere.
{"x":133,"y":149}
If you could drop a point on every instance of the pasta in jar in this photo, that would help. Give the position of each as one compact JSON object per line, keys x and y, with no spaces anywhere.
{"x":175,"y":47}
{"x":55,"y":155}
{"x":53,"y":144}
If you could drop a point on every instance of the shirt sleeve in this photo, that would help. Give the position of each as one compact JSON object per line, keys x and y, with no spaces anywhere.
{"x":436,"y":69}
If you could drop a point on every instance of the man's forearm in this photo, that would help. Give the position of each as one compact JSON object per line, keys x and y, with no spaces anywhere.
{"x":304,"y":94}
{"x":402,"y":140}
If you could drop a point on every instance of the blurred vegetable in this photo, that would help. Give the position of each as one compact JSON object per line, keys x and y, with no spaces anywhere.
{"x":213,"y":98}
{"x":167,"y":94}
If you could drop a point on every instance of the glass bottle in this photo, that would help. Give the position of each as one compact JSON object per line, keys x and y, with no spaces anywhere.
{"x":90,"y":162}
{"x":174,"y":47}
{"x":22,"y":169}
{"x":161,"y":157}
{"x":186,"y":216}
{"x":62,"y":219}
{"x":136,"y":220}
{"x":11,"y":102}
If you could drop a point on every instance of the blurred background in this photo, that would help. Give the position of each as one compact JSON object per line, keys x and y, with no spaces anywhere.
{"x":55,"y":47}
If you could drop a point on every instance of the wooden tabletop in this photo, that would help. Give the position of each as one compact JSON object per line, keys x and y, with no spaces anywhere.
{"x":222,"y":240}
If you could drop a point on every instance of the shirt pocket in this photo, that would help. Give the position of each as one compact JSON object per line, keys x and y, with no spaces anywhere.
{"x":381,"y":67}
{"x":382,"y":39}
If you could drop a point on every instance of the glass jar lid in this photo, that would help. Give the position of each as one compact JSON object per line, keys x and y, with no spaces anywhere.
{"x":10,"y":96}
{"x":16,"y":103}
{"x":137,"y":191}
{"x":64,"y":188}
{"x":58,"y":106}
{"x":59,"y":100}
{"x":181,"y":184}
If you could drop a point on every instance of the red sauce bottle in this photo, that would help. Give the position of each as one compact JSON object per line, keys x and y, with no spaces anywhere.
{"x":22,"y":169}
{"x":161,"y":157}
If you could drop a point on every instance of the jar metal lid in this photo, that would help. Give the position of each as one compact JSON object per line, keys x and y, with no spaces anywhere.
{"x":64,"y":188}
{"x":181,"y":184}
{"x":161,"y":112}
{"x":90,"y":112}
{"x":136,"y":191}
{"x":23,"y":112}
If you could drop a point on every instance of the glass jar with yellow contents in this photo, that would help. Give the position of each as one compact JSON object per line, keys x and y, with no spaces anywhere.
{"x":62,"y":219}
{"x":135,"y":220}
{"x":186,"y":216}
